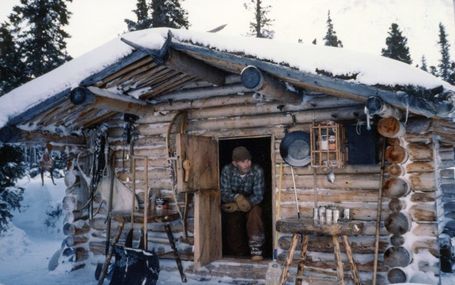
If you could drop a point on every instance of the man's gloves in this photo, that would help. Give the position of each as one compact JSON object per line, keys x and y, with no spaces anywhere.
{"x":230,"y":207}
{"x":243,"y":203}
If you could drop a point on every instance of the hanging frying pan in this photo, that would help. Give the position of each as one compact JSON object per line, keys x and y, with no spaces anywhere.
{"x":295,"y":148}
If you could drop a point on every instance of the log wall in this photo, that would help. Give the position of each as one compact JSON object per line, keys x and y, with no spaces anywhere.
{"x":355,"y":186}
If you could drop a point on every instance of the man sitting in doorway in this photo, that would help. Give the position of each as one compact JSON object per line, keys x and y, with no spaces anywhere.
{"x":242,"y":190}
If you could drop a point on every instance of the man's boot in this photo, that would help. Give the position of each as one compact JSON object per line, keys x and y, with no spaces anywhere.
{"x":256,"y":250}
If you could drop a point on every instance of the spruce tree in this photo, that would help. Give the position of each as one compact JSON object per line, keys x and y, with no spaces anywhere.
{"x":260,"y":27}
{"x":397,"y":45}
{"x":444,"y":65}
{"x":40,"y":35}
{"x":169,"y":13}
{"x":144,"y":21}
{"x":424,"y":65}
{"x":11,"y":168}
{"x":11,"y":67}
{"x":331,"y":38}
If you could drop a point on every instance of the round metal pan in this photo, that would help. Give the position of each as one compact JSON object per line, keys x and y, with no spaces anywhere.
{"x":295,"y":148}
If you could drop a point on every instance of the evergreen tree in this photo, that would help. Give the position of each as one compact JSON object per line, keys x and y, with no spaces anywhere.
{"x":39,"y":29}
{"x":444,"y":62}
{"x":143,"y":19}
{"x":331,"y":38}
{"x":396,"y":45}
{"x":11,"y":67}
{"x":169,"y":13}
{"x":260,"y":26}
{"x":11,"y":168}
{"x":424,"y":65}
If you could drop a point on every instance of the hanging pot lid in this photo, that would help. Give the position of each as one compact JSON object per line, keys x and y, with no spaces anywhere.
{"x":295,"y":148}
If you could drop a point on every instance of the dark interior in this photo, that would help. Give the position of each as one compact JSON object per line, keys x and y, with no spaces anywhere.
{"x":260,"y":149}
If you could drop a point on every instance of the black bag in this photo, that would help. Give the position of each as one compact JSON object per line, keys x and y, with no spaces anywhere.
{"x":134,"y":267}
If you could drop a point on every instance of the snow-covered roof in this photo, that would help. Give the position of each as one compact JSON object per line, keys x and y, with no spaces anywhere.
{"x":368,"y":69}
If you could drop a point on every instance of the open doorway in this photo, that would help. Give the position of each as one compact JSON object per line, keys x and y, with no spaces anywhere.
{"x":260,"y":149}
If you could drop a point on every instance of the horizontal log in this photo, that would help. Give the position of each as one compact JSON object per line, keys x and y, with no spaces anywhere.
{"x":418,"y":126}
{"x":361,"y":211}
{"x":342,"y":181}
{"x":306,"y":226}
{"x":360,"y":244}
{"x":363,"y":262}
{"x":425,"y":229}
{"x":423,"y":197}
{"x":419,"y":166}
{"x":275,"y":119}
{"x":333,"y":195}
{"x":422,"y":182}
{"x":429,"y":244}
{"x":423,"y":212}
{"x":77,"y":228}
{"x":425,"y":139}
{"x":347,"y":169}
{"x":420,"y":152}
{"x":72,"y":241}
{"x":447,"y":173}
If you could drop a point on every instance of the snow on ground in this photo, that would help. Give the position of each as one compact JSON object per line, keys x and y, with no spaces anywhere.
{"x":25,"y":249}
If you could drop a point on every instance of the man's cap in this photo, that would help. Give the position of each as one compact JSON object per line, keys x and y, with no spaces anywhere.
{"x":240,"y":153}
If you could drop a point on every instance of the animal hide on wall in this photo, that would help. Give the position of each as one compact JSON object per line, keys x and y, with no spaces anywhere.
{"x":122,"y":195}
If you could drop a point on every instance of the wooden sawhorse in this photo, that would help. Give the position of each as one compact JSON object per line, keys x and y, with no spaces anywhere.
{"x":302,"y":228}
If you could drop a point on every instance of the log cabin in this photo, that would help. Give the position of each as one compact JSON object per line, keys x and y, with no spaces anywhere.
{"x":154,"y":115}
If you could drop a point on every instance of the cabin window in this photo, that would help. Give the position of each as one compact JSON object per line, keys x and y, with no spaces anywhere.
{"x":361,"y":145}
{"x":260,"y":149}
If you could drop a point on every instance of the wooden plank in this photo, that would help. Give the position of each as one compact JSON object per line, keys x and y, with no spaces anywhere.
{"x":186,"y":64}
{"x":201,"y":153}
{"x":113,"y":68}
{"x":37,"y":109}
{"x":207,"y":227}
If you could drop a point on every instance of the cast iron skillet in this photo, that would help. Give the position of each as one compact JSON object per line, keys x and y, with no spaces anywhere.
{"x":295,"y":148}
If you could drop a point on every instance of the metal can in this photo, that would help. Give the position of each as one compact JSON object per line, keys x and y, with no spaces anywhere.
{"x":347,"y":214}
{"x":328,"y":215}
{"x":315,"y":214}
{"x":322,"y":214}
{"x":336,"y":215}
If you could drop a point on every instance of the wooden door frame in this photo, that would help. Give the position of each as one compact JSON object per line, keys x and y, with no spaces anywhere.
{"x":275,"y":207}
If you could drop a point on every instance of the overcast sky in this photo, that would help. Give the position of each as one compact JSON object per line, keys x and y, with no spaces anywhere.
{"x":360,"y":24}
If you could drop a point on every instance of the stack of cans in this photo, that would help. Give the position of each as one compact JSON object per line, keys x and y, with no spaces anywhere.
{"x":330,"y":214}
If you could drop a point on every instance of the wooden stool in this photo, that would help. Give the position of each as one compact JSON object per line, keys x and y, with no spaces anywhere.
{"x":302,"y":228}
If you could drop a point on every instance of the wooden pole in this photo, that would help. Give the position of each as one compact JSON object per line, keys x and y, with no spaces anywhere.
{"x":339,"y":263}
{"x":301,"y":265}
{"x":109,"y":254}
{"x":355,"y":273}
{"x":378,"y":216}
{"x":284,"y":273}
{"x":295,"y":193}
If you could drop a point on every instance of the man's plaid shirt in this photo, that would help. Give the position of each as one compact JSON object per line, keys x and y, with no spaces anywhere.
{"x":251,"y":185}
